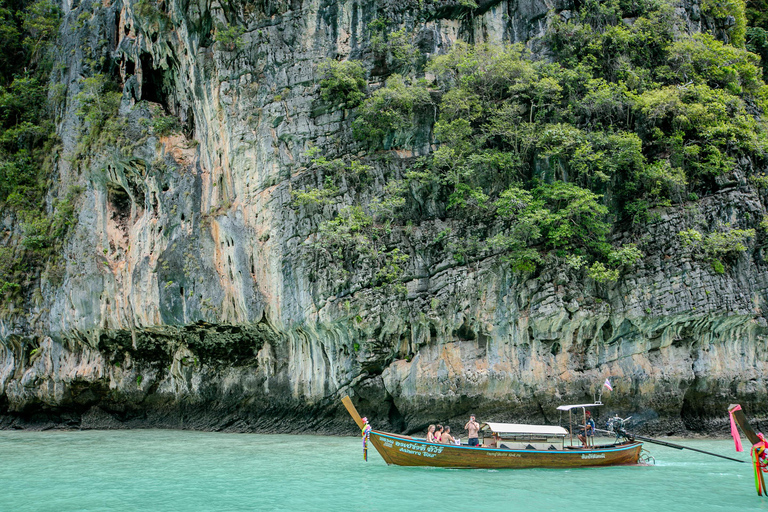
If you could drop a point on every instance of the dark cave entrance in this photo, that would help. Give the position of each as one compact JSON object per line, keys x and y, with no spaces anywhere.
{"x":130,"y":68}
{"x":121,"y":203}
{"x":154,"y":86}
{"x":157,"y":86}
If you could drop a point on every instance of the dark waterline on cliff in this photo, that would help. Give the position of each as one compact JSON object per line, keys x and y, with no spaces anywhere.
{"x":195,"y":471}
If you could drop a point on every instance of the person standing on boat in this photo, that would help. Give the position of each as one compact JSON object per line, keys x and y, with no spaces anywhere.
{"x":473,"y":428}
{"x":588,"y":432}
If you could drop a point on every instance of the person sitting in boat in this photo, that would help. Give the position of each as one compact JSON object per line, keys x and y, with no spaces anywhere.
{"x":588,"y":431}
{"x":438,"y":434}
{"x":473,"y":428}
{"x":447,"y":438}
{"x":431,"y":434}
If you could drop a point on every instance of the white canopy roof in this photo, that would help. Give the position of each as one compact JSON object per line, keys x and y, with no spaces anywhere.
{"x":569,"y":407}
{"x":517,"y":428}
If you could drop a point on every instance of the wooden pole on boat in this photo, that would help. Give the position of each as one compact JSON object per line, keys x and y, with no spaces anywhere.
{"x":352,"y":411}
{"x":570,"y":425}
{"x":741,"y":420}
{"x":586,"y":437}
{"x":738,"y":416}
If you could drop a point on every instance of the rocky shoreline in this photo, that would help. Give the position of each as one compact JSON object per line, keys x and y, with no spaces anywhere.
{"x":96,"y":419}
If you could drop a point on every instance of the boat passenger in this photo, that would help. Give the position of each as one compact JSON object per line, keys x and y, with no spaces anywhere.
{"x":588,"y":431}
{"x":447,"y":438}
{"x":438,"y":434}
{"x":431,"y":434}
{"x":473,"y":428}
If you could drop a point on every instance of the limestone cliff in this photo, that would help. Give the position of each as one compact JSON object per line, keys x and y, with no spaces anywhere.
{"x":188,"y":299}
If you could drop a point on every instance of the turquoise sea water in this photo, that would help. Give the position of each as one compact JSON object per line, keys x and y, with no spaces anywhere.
{"x":159,"y":470}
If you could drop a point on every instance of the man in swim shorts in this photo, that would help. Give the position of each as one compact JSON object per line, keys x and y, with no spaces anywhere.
{"x":473,"y":428}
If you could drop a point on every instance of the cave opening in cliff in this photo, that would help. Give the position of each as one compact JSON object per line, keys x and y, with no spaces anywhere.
{"x":121,"y":203}
{"x":115,"y":30}
{"x":696,"y":404}
{"x":130,"y":68}
{"x":154,"y":86}
{"x":188,"y":123}
{"x":607,"y":330}
{"x":464,"y":332}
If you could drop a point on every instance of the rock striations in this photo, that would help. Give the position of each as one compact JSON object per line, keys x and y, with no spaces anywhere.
{"x":187,"y":298}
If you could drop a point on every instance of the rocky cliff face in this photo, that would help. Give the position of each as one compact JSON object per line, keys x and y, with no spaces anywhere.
{"x":188,"y":300}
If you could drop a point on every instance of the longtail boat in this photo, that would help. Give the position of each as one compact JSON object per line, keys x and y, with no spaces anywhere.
{"x":511,"y":446}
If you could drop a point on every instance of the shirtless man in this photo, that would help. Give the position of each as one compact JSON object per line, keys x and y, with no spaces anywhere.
{"x":473,"y":428}
{"x":447,"y":438}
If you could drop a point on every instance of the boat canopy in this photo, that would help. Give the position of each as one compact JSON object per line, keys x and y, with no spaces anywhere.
{"x":506,"y":429}
{"x":577,"y":406}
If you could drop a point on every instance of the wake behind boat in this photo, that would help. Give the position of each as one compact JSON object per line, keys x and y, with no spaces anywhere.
{"x":508,"y":446}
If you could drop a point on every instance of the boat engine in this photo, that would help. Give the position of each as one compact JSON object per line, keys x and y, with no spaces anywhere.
{"x":616,"y":425}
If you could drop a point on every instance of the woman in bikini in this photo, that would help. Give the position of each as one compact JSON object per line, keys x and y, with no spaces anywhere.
{"x":431,"y":434}
{"x":438,"y":438}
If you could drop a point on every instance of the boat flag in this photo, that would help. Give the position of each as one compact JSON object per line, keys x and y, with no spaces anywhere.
{"x":607,"y":384}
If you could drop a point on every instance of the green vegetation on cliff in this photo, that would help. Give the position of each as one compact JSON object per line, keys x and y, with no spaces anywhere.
{"x":26,"y":138}
{"x":757,"y":31}
{"x":548,"y":154}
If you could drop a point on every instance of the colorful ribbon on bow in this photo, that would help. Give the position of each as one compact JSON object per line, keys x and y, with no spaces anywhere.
{"x":734,"y":430}
{"x":760,"y":462}
{"x":366,"y":434}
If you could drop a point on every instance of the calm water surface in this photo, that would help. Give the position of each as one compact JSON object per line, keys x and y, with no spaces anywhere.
{"x":158,"y":470}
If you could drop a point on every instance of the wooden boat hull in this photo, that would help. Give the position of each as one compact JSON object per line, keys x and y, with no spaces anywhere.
{"x":407,"y":451}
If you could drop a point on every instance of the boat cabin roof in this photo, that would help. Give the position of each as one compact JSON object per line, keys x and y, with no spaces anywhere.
{"x":576,"y":406}
{"x":519,"y":429}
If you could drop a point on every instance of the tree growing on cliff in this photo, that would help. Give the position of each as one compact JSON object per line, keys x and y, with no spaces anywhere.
{"x":342,"y":83}
{"x":719,"y":246}
{"x":229,"y":37}
{"x":386,"y":119}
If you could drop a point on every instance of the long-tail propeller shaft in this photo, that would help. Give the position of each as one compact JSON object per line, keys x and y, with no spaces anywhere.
{"x":616,"y":426}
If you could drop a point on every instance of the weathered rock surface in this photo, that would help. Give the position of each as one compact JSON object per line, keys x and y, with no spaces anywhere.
{"x":188,"y":300}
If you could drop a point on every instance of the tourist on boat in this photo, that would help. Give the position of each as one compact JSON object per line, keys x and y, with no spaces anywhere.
{"x":590,"y":425}
{"x":473,"y":428}
{"x":588,"y":431}
{"x":439,"y":434}
{"x":447,"y":438}
{"x":431,"y":434}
